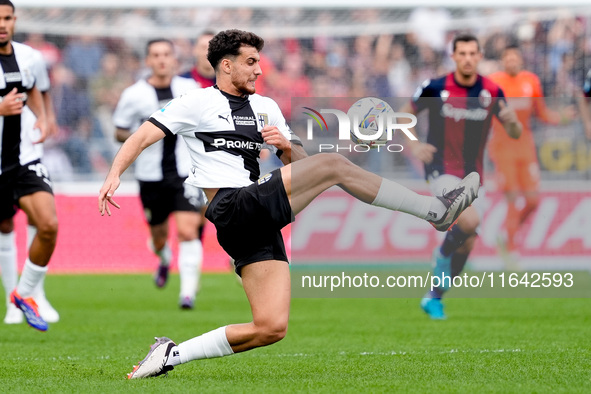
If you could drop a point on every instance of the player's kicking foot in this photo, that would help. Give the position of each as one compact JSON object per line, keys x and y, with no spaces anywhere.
{"x":30,"y":310}
{"x":13,"y":314}
{"x":154,"y":363}
{"x":161,"y":276}
{"x":433,"y":307}
{"x":456,"y":200}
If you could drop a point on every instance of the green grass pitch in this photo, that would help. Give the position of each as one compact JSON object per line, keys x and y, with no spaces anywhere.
{"x":333,"y":345}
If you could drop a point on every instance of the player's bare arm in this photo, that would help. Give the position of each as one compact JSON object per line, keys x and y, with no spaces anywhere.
{"x":421,"y":150}
{"x":508,"y":117}
{"x":36,"y":104}
{"x":291,"y":152}
{"x":145,"y":136}
{"x":50,"y":117}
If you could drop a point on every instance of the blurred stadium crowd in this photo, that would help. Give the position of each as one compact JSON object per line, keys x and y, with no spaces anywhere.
{"x":93,"y":54}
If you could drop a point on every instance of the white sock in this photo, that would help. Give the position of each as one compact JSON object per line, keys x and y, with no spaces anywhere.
{"x":190,"y":259}
{"x":30,"y":277}
{"x":31,"y":233}
{"x":40,"y":290}
{"x":396,"y":197}
{"x":209,"y":345}
{"x":165,"y":254}
{"x":8,"y":262}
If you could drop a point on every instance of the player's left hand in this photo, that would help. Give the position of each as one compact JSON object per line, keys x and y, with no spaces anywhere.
{"x":106,"y":195}
{"x":44,"y":129}
{"x":273,"y":136}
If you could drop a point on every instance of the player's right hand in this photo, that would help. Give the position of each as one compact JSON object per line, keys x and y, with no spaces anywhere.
{"x":423,"y":151}
{"x":506,"y":113}
{"x":106,"y":195}
{"x":12,"y":103}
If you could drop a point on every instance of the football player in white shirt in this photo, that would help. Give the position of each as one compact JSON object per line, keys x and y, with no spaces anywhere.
{"x":225,"y":127}
{"x":162,"y":169}
{"x":24,"y":180}
{"x":34,"y":151}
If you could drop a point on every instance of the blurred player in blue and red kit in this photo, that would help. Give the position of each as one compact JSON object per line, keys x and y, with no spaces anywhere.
{"x":461,"y":107}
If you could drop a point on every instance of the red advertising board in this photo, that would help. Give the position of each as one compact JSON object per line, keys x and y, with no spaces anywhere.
{"x":334,"y":228}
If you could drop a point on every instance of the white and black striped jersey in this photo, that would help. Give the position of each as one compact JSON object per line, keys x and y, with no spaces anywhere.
{"x":223,"y":133}
{"x":168,"y":158}
{"x":17,"y":70}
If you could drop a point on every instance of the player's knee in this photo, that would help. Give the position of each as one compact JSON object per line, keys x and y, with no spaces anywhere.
{"x":334,"y":161}
{"x":272,"y":332}
{"x":338,"y":166}
{"x":469,"y":221}
{"x":47,"y":229}
{"x":185,"y":235}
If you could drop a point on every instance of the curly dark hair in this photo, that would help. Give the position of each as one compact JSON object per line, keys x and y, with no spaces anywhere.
{"x":227,"y":43}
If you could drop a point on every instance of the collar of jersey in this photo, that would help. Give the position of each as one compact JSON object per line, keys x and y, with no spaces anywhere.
{"x":231,"y":96}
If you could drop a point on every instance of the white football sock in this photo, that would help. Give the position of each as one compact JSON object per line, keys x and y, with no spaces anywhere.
{"x":190,"y":259}
{"x":209,"y":345}
{"x":396,"y":197}
{"x":8,"y":262}
{"x":165,"y":254}
{"x":30,"y":277}
{"x":40,"y":290}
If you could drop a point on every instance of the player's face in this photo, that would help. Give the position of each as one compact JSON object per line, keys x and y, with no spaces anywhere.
{"x":466,"y":56}
{"x":512,"y":61}
{"x":7,"y":20}
{"x":245,"y":69}
{"x":161,"y":59}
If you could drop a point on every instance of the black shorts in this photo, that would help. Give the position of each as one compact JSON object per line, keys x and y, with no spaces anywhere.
{"x":249,"y":220}
{"x":22,"y":181}
{"x":162,"y":198}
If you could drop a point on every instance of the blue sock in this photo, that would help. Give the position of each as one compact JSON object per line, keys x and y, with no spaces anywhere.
{"x":458,"y":261}
{"x":436,"y":293}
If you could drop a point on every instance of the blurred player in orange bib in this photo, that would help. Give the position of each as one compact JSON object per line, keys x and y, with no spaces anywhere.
{"x":515,"y":160}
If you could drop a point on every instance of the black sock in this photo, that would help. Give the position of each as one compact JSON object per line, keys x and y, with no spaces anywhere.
{"x":453,"y":240}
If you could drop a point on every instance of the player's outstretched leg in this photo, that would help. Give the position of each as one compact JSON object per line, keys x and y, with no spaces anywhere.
{"x":307,"y":178}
